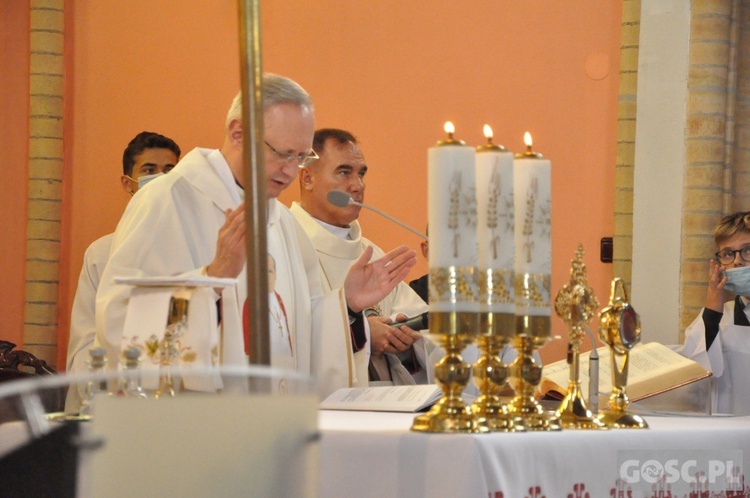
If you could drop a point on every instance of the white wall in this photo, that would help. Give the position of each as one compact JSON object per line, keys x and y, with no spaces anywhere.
{"x":659,"y":160}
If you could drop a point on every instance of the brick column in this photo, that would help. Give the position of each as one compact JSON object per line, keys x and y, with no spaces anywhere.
{"x":45,"y":179}
{"x":709,"y":141}
{"x":626,"y":113}
{"x":741,"y":163}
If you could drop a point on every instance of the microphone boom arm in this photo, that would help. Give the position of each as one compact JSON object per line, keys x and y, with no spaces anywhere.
{"x":381,"y":213}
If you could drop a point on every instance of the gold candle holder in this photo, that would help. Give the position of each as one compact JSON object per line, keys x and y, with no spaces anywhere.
{"x":491,"y":375}
{"x":453,"y":331}
{"x":453,"y":281}
{"x":169,"y":346}
{"x":494,"y":192}
{"x":531,"y":333}
{"x":576,"y":305}
{"x":532,"y":201}
{"x":620,"y":329}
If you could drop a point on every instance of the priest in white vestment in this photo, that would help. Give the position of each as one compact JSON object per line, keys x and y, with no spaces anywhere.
{"x":192,"y":222}
{"x":399,"y":355}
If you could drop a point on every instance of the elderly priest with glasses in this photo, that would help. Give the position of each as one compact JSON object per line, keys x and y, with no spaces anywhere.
{"x":192,"y":222}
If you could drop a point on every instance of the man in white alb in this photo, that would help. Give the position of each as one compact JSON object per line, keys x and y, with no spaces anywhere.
{"x":147,"y":156}
{"x":399,"y":355}
{"x":172,"y":227}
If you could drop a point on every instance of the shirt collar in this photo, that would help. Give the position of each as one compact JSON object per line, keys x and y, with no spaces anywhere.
{"x":340,"y":232}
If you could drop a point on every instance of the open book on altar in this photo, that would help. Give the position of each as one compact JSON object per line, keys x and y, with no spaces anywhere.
{"x":653,"y":369}
{"x":384,"y":398}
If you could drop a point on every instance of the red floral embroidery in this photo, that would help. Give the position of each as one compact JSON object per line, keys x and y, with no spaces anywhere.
{"x":621,"y":490}
{"x":535,"y":492}
{"x":579,"y":491}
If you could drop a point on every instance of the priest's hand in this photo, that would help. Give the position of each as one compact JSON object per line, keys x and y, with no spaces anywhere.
{"x":716,"y":281}
{"x":368,"y":282}
{"x":385,"y":338}
{"x":230,"y":246}
{"x":403,"y":337}
{"x":379,"y":328}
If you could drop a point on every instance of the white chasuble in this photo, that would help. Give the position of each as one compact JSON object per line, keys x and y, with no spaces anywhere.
{"x":318,"y":319}
{"x":335,"y":256}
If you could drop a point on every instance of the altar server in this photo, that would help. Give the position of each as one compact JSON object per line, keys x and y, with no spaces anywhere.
{"x":719,"y":338}
{"x":399,"y":355}
{"x":147,"y":156}
{"x":192,"y":221}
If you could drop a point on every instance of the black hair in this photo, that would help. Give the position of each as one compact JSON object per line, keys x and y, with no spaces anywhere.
{"x":341,"y":136}
{"x":146,"y":140}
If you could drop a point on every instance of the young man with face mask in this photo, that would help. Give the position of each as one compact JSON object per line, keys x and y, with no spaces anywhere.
{"x":719,"y":338}
{"x":147,"y":156}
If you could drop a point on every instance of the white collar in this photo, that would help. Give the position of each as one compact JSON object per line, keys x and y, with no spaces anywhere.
{"x":340,"y":232}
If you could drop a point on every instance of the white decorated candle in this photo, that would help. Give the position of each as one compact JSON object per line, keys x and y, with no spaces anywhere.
{"x":533,"y":242}
{"x":451,"y":203}
{"x":495,"y":222}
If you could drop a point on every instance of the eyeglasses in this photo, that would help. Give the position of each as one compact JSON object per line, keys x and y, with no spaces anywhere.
{"x":302,"y":159}
{"x":727,"y":256}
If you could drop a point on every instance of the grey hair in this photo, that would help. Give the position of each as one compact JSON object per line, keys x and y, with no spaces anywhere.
{"x":276,"y":90}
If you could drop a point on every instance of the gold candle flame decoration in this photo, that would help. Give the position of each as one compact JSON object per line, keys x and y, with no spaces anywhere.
{"x":489,"y":146}
{"x":449,"y":129}
{"x":528,"y":154}
{"x":450,"y":140}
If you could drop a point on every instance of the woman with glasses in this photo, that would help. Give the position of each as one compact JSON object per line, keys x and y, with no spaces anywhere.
{"x":719,"y":338}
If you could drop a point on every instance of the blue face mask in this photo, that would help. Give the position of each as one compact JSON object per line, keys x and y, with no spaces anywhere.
{"x":738,"y":280}
{"x":143,"y":180}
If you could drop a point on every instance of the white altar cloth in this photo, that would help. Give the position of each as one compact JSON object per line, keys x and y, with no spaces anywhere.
{"x":374,"y":454}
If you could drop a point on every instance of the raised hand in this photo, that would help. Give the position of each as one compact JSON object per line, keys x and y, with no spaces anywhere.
{"x":716,"y":281}
{"x":367,"y":283}
{"x":230,"y":246}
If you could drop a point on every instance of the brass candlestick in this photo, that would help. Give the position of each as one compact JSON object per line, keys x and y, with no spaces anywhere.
{"x":576,"y":305}
{"x":620,"y":329}
{"x":495,"y":242}
{"x":454,"y":280}
{"x":531,"y":333}
{"x":454,"y":331}
{"x":490,"y":373}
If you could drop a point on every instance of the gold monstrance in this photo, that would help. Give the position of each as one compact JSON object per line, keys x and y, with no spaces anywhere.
{"x":576,"y":304}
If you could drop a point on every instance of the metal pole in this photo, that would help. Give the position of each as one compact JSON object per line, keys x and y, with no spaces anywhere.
{"x":256,"y":202}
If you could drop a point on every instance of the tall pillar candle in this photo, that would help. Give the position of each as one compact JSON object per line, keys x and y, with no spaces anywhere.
{"x":495,"y":227}
{"x":452,"y":232}
{"x":533,"y":242}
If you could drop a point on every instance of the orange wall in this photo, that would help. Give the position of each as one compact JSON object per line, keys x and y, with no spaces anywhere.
{"x":14,"y":149}
{"x":390,"y":71}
